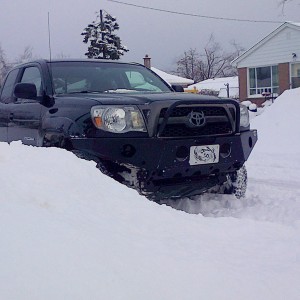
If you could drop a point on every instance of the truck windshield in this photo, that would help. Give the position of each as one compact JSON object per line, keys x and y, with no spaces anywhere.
{"x":104,"y":77}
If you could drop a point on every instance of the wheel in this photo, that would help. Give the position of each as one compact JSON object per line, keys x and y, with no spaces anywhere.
{"x":59,"y":141}
{"x":235,"y":184}
{"x":239,"y":182}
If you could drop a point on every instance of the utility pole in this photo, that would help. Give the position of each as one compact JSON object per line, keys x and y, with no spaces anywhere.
{"x":102,"y":33}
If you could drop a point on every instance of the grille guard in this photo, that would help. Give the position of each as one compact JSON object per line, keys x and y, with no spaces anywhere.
{"x":226,"y":104}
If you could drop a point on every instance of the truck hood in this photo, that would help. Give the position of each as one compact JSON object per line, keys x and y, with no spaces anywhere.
{"x":137,"y":99}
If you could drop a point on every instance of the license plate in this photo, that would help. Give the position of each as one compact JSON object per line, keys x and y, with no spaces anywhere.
{"x":202,"y":155}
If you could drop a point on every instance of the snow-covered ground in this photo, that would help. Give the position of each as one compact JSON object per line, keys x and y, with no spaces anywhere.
{"x":69,"y":232}
{"x":219,"y":85}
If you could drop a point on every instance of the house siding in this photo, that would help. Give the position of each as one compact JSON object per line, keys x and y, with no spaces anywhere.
{"x":242,"y":73}
{"x":277,"y":50}
{"x":280,"y":48}
{"x":284,"y":77}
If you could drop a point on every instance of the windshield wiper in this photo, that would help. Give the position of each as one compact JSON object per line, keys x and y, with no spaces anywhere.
{"x":85,"y":92}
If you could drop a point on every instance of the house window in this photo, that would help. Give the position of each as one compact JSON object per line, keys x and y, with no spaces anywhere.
{"x":295,"y":75}
{"x":263,"y":80}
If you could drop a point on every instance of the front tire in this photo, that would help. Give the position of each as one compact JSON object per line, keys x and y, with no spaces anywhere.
{"x":236,"y":184}
{"x":239,"y":182}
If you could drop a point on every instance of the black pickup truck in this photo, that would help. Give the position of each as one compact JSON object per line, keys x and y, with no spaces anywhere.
{"x":140,"y":130}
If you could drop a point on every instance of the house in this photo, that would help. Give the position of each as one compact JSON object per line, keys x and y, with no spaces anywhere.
{"x":169,"y":78}
{"x":271,"y":66}
{"x":218,"y":87}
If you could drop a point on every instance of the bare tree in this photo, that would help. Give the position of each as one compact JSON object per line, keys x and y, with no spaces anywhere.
{"x":212,"y":62}
{"x":25,"y":56}
{"x":187,"y":64}
{"x":283,"y":3}
{"x":238,"y":49}
{"x":216,"y":62}
{"x":4,"y":66}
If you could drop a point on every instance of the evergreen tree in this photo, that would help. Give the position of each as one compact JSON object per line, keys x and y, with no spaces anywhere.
{"x":103,"y":42}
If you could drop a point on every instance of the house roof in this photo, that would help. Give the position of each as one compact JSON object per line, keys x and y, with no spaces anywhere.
{"x":172,"y":79}
{"x":293,"y":25}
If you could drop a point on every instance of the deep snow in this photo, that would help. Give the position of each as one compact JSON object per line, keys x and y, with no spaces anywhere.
{"x":69,"y":232}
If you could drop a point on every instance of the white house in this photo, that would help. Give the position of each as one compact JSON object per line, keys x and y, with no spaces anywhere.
{"x":271,"y":66}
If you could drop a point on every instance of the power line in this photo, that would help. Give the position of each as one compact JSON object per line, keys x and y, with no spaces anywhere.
{"x":194,"y":15}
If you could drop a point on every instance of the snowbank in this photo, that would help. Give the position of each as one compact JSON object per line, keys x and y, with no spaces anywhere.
{"x":279,"y":125}
{"x":69,"y":232}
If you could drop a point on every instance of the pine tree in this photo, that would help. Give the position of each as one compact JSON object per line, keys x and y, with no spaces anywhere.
{"x":103,"y":42}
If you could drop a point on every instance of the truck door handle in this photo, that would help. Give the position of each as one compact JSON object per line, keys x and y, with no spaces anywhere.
{"x":11,"y":116}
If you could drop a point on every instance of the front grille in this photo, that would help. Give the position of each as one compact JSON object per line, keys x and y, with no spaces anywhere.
{"x":185,"y":110}
{"x":219,"y":121}
{"x":182,"y":130}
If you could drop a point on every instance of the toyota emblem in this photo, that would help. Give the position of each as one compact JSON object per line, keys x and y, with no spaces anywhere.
{"x":196,"y":119}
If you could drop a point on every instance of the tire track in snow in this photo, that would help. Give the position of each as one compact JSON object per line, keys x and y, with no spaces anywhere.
{"x":266,"y":200}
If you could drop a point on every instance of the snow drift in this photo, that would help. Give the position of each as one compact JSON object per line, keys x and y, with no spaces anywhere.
{"x":279,"y":125}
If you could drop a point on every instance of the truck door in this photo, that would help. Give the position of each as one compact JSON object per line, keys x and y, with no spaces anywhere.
{"x":6,"y":97}
{"x":24,"y":114}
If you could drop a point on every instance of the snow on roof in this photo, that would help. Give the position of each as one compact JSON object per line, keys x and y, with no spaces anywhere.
{"x":294,"y":23}
{"x":172,"y":79}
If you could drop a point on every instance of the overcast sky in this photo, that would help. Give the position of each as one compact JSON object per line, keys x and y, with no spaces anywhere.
{"x":163,"y":36}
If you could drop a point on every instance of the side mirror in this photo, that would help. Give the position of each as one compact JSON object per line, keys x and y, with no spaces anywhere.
{"x":178,"y":88}
{"x":25,"y":91}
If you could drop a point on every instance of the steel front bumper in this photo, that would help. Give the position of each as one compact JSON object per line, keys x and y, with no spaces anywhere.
{"x":163,"y":165}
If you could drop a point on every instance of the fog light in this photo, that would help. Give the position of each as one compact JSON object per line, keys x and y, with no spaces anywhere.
{"x":225,"y":150}
{"x":128,"y":150}
{"x":182,"y":153}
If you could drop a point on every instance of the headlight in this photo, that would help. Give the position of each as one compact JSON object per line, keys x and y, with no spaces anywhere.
{"x":244,"y":116}
{"x":118,"y":119}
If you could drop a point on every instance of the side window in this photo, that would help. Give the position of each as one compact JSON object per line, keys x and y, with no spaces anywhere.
{"x":7,"y":90}
{"x":33,"y":75}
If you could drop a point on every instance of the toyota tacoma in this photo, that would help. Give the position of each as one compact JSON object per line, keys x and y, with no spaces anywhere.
{"x":137,"y":128}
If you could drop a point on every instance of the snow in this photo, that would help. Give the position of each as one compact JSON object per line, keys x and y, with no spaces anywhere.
{"x":69,"y":232}
{"x":218,"y":85}
{"x":172,"y":79}
{"x":282,"y":120}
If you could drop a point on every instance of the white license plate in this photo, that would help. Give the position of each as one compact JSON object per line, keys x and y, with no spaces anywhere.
{"x":202,"y":155}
